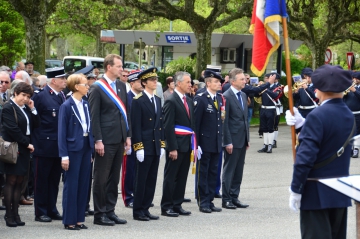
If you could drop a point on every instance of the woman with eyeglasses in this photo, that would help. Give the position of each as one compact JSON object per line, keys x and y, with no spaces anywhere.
{"x":75,"y":142}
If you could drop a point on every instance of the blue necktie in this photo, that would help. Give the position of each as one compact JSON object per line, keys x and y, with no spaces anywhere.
{"x":240,"y":99}
{"x":112,"y":84}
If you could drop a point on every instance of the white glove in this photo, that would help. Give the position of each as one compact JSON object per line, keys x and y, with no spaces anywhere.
{"x":295,"y":119}
{"x":199,"y":153}
{"x":294,"y":201}
{"x":128,"y":152}
{"x":140,"y":155}
{"x":162,"y":152}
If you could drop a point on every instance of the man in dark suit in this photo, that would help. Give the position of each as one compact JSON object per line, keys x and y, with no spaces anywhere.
{"x":323,"y":210}
{"x":45,"y":139}
{"x":208,"y":107}
{"x":236,"y":139}
{"x":148,"y":143}
{"x":128,"y":166}
{"x":178,"y":113}
{"x":112,"y":132}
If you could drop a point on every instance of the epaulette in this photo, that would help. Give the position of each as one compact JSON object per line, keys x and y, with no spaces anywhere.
{"x":38,"y":91}
{"x":138,"y":96}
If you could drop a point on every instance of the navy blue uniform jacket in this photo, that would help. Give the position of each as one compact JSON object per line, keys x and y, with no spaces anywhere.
{"x":325,"y":131}
{"x":70,"y":130}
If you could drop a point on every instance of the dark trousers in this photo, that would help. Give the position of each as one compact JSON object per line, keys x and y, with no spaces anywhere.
{"x":145,"y":183}
{"x":76,"y":185}
{"x":232,"y":174}
{"x":106,"y":179}
{"x":127,"y":178}
{"x":323,"y":224}
{"x":89,"y":191}
{"x":207,"y":168}
{"x":175,"y":177}
{"x":47,"y":178}
{"x":267,"y":120}
{"x":218,"y":177}
{"x":357,"y":120}
{"x":304,"y":112}
{"x":276,"y":122}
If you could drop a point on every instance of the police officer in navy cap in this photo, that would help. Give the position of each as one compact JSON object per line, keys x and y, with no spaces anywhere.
{"x":326,"y":130}
{"x":148,"y":141}
{"x":208,"y":109}
{"x":305,"y":95}
{"x":45,"y":139}
{"x":128,"y":166}
{"x":352,"y":100}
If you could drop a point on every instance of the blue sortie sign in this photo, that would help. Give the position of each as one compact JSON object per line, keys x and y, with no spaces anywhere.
{"x":178,"y":39}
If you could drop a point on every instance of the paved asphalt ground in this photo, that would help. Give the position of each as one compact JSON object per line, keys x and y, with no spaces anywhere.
{"x":265,"y":188}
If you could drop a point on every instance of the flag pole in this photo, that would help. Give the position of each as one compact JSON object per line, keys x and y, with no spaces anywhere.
{"x":289,"y":81}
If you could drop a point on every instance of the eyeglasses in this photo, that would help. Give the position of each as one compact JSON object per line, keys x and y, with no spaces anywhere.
{"x":86,"y":85}
{"x":6,"y":82}
{"x":124,"y":75}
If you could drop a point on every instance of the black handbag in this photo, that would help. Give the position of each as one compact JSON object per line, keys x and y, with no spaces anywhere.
{"x":9,"y":150}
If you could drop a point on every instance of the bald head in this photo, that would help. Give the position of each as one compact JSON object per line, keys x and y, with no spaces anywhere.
{"x":24,"y":76}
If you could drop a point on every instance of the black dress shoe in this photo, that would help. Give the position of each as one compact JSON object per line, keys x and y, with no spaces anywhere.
{"x":228,"y":205}
{"x":141,"y":218}
{"x":56,"y":217}
{"x":81,"y":226}
{"x":2,"y":208}
{"x":152,"y":217}
{"x":205,"y":210}
{"x":18,"y":221}
{"x":169,"y":213}
{"x":90,"y":211}
{"x":218,"y":195}
{"x":240,"y":205}
{"x":182,"y":212}
{"x":104,"y":221}
{"x":10,"y":222}
{"x":71,"y":228}
{"x":130,"y":205}
{"x":117,"y":220}
{"x":215,"y":209}
{"x":263,"y":149}
{"x":43,"y":218}
{"x":187,"y":200}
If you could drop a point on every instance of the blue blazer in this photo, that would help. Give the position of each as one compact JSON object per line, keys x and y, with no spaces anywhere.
{"x":325,"y":131}
{"x":70,"y":135}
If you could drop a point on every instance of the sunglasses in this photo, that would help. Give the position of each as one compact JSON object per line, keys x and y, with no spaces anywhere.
{"x":6,"y":82}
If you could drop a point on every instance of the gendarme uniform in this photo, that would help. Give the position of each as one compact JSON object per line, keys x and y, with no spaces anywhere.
{"x":148,"y":136}
{"x":352,"y":100}
{"x":323,"y":210}
{"x":268,"y":113}
{"x":305,"y":98}
{"x":208,"y":109}
{"x":280,"y":109}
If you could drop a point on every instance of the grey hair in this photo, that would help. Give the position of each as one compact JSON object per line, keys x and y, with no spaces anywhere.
{"x":179,"y":76}
{"x":25,"y":77}
{"x":43,"y":80}
{"x":5,"y":73}
{"x":233,"y":73}
{"x":13,"y":84}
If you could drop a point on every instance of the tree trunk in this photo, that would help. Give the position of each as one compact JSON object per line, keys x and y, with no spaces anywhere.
{"x":318,"y":55}
{"x":35,"y":43}
{"x":61,"y":49}
{"x":47,"y":47}
{"x":203,"y":49}
{"x":99,"y":45}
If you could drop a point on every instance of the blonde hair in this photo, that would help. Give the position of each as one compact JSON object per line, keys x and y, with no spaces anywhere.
{"x":73,"y":80}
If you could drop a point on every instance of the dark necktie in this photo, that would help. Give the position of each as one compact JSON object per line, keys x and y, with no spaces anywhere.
{"x":153,"y":102}
{"x":240,"y":99}
{"x":186,"y":106}
{"x":4,"y":97}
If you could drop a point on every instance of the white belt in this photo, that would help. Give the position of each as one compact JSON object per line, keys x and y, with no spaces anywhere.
{"x":306,"y":107}
{"x":268,"y":107}
{"x":86,"y":134}
{"x":356,"y":112}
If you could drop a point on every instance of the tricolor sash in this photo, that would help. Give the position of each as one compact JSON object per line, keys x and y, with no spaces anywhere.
{"x":104,"y":85}
{"x":182,"y":130}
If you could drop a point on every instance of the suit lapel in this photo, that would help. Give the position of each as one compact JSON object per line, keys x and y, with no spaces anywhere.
{"x":87,"y":115}
{"x":211,"y":100}
{"x":75,"y":110}
{"x":181,"y":103}
{"x":235,"y":99}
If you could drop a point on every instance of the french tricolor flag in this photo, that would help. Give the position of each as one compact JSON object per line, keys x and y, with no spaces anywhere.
{"x":265,"y":26}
